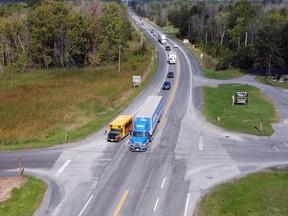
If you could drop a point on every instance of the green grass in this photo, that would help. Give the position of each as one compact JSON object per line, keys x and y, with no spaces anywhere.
{"x":170,"y":30}
{"x":242,"y":118}
{"x":207,"y":64}
{"x":38,"y":107}
{"x":25,"y":200}
{"x":269,"y":81}
{"x":264,"y":193}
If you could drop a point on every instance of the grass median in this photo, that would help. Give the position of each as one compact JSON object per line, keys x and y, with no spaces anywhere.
{"x":264,"y":193}
{"x":253,"y":118}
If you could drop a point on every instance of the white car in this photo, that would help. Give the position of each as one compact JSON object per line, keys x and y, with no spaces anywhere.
{"x":175,"y":46}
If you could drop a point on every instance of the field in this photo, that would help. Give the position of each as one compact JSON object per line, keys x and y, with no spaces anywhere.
{"x":264,"y":193}
{"x":247,"y":118}
{"x":39,"y":107}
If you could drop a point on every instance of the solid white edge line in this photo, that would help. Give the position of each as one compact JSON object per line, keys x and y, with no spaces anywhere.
{"x":85,"y":205}
{"x":200,"y":144}
{"x":186,"y":204}
{"x":163,"y":182}
{"x":155,"y":207}
{"x":286,"y":144}
{"x":127,"y":142}
{"x":62,"y":168}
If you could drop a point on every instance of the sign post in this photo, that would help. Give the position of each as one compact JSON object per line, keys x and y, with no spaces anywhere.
{"x":136,"y":81}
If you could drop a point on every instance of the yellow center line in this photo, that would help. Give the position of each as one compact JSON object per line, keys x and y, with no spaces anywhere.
{"x":116,"y":212}
{"x":172,"y":96}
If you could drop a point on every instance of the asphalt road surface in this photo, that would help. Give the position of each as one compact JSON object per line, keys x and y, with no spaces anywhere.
{"x":187,"y":157}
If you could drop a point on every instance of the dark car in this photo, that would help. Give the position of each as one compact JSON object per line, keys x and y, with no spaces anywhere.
{"x":166,"y":85}
{"x":167,"y":48}
{"x":170,"y":75}
{"x":152,"y":31}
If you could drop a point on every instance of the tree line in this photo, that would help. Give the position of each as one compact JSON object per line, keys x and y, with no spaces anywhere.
{"x":242,"y":34}
{"x":53,"y":33}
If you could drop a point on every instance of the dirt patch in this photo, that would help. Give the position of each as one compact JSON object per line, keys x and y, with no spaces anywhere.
{"x":7,"y":184}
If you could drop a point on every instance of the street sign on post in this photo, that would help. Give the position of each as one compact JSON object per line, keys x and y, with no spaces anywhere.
{"x":241,"y":97}
{"x":136,"y":80}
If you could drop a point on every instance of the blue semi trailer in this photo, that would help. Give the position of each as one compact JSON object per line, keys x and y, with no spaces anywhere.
{"x":145,"y":123}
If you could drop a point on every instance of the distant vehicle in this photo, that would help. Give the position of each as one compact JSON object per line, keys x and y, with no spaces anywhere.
{"x":172,"y":57}
{"x":166,"y":85}
{"x":142,"y":23}
{"x":162,"y":39}
{"x":120,"y":128}
{"x":175,"y":46}
{"x":152,"y":31}
{"x":167,"y":48}
{"x":145,"y":123}
{"x":170,"y":74}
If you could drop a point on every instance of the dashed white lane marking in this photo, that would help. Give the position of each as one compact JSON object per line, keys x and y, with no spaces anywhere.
{"x":155,"y":207}
{"x":200,"y":144}
{"x":127,"y":142}
{"x":275,"y":148}
{"x":286,"y":144}
{"x":62,"y":168}
{"x":86,"y":205}
{"x":186,"y":204}
{"x":163,"y":182}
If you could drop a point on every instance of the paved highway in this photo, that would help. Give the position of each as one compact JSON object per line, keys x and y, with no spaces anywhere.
{"x":187,"y":157}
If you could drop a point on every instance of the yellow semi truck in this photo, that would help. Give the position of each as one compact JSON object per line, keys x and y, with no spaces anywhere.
{"x":120,"y":128}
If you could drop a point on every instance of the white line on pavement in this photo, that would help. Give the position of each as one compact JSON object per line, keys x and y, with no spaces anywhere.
{"x":286,"y":144}
{"x":186,"y":204}
{"x":200,"y":144}
{"x":86,"y":205}
{"x":275,"y":148}
{"x":156,"y":204}
{"x":163,"y":182}
{"x":127,"y":142}
{"x":62,"y":168}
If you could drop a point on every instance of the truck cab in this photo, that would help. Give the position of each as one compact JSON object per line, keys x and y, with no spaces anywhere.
{"x":140,"y":136}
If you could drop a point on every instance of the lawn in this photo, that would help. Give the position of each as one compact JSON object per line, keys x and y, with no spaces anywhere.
{"x":26,"y":199}
{"x":39,"y":107}
{"x":264,"y":193}
{"x":247,"y":118}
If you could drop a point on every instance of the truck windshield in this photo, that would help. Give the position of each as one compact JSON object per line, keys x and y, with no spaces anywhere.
{"x":114,"y":131}
{"x":138,"y":134}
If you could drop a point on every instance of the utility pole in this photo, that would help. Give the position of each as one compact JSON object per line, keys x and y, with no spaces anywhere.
{"x":269,"y":69}
{"x":119,"y":57}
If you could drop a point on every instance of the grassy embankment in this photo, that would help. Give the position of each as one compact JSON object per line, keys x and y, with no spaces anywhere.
{"x":26,"y":199}
{"x":270,"y":81}
{"x":208,"y":64}
{"x":264,"y":193}
{"x":38,"y":107}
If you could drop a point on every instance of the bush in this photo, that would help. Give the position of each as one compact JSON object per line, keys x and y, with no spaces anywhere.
{"x":223,"y":64}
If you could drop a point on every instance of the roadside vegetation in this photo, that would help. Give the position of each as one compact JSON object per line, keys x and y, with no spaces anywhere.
{"x":247,"y":118}
{"x":264,"y":193}
{"x":38,"y":108}
{"x":49,"y":104}
{"x":239,"y":34}
{"x":269,"y":80}
{"x":26,"y":199}
{"x":208,"y":65}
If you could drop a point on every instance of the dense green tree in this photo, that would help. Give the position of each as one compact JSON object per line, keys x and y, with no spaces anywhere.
{"x":113,"y":32}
